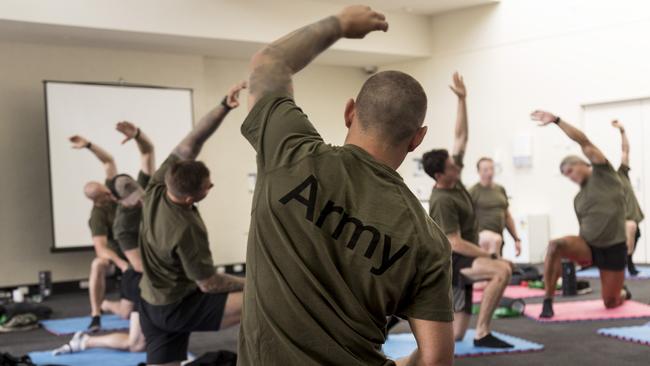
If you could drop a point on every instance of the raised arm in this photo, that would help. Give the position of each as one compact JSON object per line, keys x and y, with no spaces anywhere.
{"x":625,"y":143}
{"x":461,"y":132}
{"x":273,"y":66}
{"x":79,"y":142}
{"x":147,"y":156}
{"x":190,"y":147}
{"x":588,"y":148}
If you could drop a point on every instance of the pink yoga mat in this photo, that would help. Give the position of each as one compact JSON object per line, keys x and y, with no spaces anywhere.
{"x":513,"y":292}
{"x":588,"y":310}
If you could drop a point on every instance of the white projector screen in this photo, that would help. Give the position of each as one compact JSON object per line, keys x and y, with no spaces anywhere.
{"x":92,"y":111}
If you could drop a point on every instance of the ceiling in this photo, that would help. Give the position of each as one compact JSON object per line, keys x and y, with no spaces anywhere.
{"x":424,"y":7}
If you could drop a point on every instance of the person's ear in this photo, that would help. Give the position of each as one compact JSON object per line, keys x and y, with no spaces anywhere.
{"x":417,"y":139}
{"x":350,"y":112}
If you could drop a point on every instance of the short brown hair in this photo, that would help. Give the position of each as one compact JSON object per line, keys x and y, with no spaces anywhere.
{"x":393,"y":104}
{"x":185,"y":178}
{"x":485,"y":158}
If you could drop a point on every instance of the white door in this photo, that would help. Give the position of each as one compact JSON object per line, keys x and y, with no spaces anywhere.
{"x":634,"y":115}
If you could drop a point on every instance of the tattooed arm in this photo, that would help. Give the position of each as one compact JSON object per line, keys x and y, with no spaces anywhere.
{"x":273,"y":66}
{"x":190,"y":147}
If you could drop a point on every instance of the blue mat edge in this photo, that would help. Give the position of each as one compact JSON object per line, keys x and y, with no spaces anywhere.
{"x":607,"y":332}
{"x":44,"y":323}
{"x":534,"y":347}
{"x":587,"y":274}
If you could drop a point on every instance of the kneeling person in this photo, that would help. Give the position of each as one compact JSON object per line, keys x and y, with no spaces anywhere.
{"x":451,"y":207}
{"x":181,"y":291}
{"x":600,"y":208}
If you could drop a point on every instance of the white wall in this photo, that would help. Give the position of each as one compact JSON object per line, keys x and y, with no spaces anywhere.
{"x":25,"y":224}
{"x":528,"y":54}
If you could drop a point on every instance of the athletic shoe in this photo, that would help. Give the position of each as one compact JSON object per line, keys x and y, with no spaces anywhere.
{"x":95,"y":324}
{"x":547,"y":309}
{"x":631,"y":267}
{"x":628,"y":294}
{"x":76,"y":344}
{"x":490,"y":341}
{"x":21,"y":322}
{"x":584,"y":287}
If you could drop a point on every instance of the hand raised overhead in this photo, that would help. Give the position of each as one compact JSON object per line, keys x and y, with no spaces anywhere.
{"x":359,"y":20}
{"x":128,"y":129}
{"x":78,"y":142}
{"x":543,"y":117}
{"x":232,"y":98}
{"x":458,"y":86}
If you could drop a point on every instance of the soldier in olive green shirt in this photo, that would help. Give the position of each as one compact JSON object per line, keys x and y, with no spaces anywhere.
{"x":125,"y":228}
{"x":180,"y":288}
{"x":600,"y":208}
{"x":633,"y":213}
{"x":337,"y":241}
{"x":102,"y":215}
{"x":491,"y":204}
{"x":451,"y":207}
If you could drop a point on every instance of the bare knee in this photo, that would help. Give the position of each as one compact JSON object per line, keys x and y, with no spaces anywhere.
{"x":612,"y":302}
{"x":99,"y":265}
{"x":136,"y":346}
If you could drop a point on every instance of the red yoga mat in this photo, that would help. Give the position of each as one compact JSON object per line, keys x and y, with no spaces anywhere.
{"x":513,"y":292}
{"x":576,"y":311}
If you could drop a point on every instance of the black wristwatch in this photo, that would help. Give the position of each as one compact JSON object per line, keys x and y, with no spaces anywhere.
{"x":556,"y":120}
{"x":224,"y":104}
{"x":494,"y":256}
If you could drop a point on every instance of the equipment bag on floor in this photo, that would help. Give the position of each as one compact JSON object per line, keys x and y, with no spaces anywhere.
{"x":8,"y":360}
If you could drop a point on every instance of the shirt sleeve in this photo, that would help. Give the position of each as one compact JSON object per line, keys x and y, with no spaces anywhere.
{"x":445,"y":214}
{"x":143,"y":179}
{"x":458,"y":160}
{"x":99,"y":223}
{"x":194,"y":252}
{"x":505,"y":195}
{"x":279,"y":131}
{"x":432,"y":298}
{"x":159,"y":176}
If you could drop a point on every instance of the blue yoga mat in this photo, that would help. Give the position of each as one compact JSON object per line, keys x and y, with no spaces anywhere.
{"x":592,"y":272}
{"x":402,"y":345}
{"x":639,"y":334}
{"x":72,"y":325}
{"x":99,"y":356}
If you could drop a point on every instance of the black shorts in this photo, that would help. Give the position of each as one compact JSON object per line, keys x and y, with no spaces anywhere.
{"x":458,"y":262}
{"x":167,"y":328}
{"x":612,"y":258}
{"x":130,"y":287}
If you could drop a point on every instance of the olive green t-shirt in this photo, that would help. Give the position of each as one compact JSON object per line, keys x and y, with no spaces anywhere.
{"x":173,"y":244}
{"x":491,"y":206}
{"x":126,"y":227}
{"x":600,"y":207}
{"x":633,"y":209}
{"x":453,"y":209}
{"x":337,"y":243}
{"x":101,"y":224}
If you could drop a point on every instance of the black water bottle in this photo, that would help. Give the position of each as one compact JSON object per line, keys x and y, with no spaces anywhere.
{"x":45,"y":283}
{"x":569,"y":281}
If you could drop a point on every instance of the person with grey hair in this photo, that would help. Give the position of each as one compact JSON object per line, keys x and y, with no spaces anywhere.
{"x":129,"y":194}
{"x":600,"y":208}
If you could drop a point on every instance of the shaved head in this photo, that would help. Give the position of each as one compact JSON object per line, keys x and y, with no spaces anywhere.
{"x":392,"y":105}
{"x":97,"y":192}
